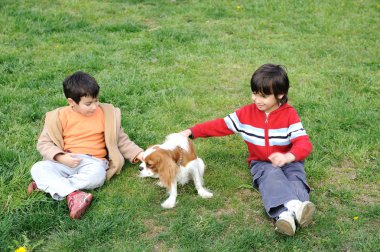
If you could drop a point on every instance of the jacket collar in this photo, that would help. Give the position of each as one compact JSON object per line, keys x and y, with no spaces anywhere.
{"x":277,"y":110}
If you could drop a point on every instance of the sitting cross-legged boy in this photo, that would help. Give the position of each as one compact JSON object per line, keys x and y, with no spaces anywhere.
{"x":82,"y":145}
{"x":277,"y":145}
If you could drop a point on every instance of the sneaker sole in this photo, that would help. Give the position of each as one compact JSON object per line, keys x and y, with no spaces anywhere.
{"x":78,"y":214}
{"x":284,"y":227}
{"x":307,"y":215}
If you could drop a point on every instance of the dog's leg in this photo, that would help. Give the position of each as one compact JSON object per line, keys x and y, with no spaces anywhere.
{"x":197,"y":173}
{"x":170,"y":202}
{"x":201,"y":166}
{"x":159,"y":183}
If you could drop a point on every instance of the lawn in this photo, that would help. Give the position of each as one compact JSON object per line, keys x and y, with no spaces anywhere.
{"x":168,"y":65}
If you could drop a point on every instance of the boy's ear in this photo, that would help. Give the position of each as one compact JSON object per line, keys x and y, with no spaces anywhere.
{"x":71,"y":102}
{"x":279,"y":97}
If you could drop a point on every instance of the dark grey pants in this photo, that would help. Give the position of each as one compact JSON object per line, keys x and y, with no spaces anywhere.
{"x":279,"y":185}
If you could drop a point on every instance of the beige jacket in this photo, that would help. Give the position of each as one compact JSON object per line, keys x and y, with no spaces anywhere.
{"x":118,"y":144}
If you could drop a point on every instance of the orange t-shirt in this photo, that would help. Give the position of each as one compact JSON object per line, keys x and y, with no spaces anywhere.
{"x":83,"y":134}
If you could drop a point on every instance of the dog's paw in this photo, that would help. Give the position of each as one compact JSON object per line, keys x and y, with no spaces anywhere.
{"x":205,"y":193}
{"x":169,"y":203}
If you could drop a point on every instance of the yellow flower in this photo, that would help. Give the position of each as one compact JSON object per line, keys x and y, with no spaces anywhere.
{"x":238,"y":7}
{"x":356,"y":217}
{"x":21,"y":249}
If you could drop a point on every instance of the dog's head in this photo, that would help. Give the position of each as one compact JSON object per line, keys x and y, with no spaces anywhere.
{"x":148,"y":169}
{"x":160,"y":163}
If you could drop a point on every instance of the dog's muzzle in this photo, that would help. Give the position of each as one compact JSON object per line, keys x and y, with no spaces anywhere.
{"x":141,"y":168}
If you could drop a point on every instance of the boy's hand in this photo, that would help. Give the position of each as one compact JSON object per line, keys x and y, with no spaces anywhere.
{"x":185,"y":133}
{"x":140,"y":156}
{"x":68,"y":159}
{"x":279,"y":159}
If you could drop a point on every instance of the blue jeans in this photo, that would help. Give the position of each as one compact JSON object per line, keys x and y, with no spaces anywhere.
{"x":279,"y":185}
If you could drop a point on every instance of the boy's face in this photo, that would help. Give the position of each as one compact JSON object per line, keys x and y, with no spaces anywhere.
{"x":87,"y":105}
{"x":266,"y":103}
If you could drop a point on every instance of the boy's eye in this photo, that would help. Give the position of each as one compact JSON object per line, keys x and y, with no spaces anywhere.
{"x":260,"y":95}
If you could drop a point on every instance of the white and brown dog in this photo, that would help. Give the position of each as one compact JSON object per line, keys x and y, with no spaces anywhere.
{"x":174,"y":162}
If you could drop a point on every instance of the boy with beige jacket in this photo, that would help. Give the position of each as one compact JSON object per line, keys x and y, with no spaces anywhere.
{"x":82,"y":145}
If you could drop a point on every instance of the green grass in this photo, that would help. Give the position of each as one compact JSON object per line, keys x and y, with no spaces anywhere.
{"x":171,"y":64}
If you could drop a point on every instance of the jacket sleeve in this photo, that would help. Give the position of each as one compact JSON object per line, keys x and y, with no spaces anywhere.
{"x":127,"y":147}
{"x":46,"y":146}
{"x":213,"y":128}
{"x":301,"y":145}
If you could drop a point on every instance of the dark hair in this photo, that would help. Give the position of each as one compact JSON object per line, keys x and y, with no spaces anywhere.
{"x":80,"y":84}
{"x":271,"y":79}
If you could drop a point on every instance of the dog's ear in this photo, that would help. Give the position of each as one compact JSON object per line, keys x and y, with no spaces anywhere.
{"x":167,"y":171}
{"x":153,"y":161}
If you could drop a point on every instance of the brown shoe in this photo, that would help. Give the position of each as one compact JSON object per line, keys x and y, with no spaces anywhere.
{"x":32,"y":187}
{"x":78,"y":203}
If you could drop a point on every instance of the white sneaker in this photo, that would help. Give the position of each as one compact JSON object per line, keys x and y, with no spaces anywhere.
{"x":304,"y":213}
{"x":285,"y":224}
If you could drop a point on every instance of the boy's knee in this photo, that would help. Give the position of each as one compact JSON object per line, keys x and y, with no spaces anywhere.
{"x":95,"y":183}
{"x":98,"y":177}
{"x":295,"y":171}
{"x":296,"y":176}
{"x":38,"y":167}
{"x":272,"y":171}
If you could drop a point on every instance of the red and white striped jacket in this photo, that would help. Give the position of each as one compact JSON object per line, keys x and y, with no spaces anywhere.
{"x":279,"y":131}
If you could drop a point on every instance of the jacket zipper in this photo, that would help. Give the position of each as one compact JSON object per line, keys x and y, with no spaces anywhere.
{"x":267,"y":134}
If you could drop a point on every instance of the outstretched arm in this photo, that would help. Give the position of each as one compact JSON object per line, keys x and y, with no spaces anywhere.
{"x":213,"y":128}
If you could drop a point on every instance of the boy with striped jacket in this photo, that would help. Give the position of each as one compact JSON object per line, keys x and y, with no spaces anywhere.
{"x":277,"y":145}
